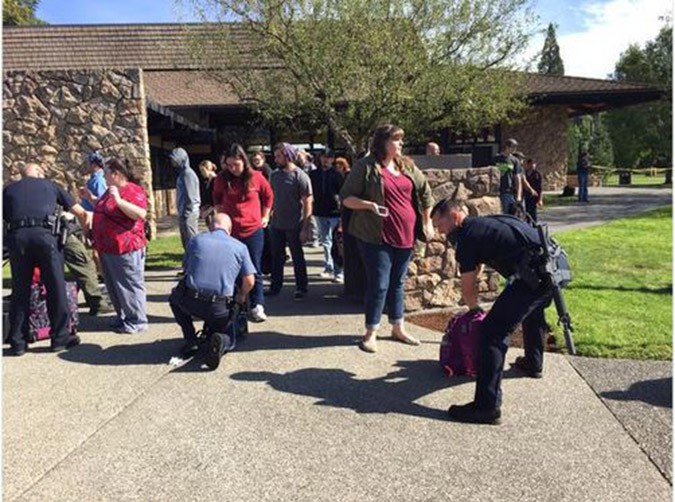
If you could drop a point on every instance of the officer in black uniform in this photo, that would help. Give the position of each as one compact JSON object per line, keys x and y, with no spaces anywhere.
{"x":29,"y":206}
{"x":492,"y":240}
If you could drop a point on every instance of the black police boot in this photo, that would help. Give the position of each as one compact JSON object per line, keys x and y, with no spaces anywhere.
{"x":524,"y":365}
{"x":18,"y":350}
{"x":218,"y":344}
{"x":189,"y":350}
{"x":470,"y":414}
{"x":72,"y":341}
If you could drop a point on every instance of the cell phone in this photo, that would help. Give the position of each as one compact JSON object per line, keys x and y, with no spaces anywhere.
{"x":383,"y":211}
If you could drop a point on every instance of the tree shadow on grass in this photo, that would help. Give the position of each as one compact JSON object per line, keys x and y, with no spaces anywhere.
{"x":657,"y":392}
{"x":667,"y":290}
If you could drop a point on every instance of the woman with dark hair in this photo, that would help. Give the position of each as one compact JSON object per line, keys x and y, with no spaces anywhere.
{"x":259,"y":163}
{"x":246,"y":196}
{"x":119,"y":238}
{"x":391,"y":204}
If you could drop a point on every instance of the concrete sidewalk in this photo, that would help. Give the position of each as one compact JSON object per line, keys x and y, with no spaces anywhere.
{"x":605,"y":204}
{"x":297,"y":412}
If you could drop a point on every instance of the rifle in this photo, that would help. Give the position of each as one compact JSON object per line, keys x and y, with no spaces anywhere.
{"x":555,"y":276}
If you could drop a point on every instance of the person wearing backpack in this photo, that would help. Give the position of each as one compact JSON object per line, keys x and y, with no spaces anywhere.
{"x":511,"y":177}
{"x":504,"y":243}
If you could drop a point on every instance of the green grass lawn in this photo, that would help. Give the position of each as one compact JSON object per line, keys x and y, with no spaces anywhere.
{"x":637,"y":180}
{"x":620,"y":299}
{"x":163,"y":253}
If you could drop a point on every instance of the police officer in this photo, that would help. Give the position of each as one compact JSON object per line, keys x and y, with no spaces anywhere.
{"x":502,"y":242}
{"x":214,"y":263}
{"x":28,"y":211}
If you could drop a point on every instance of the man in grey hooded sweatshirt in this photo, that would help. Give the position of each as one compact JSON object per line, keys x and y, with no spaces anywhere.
{"x":187,"y":195}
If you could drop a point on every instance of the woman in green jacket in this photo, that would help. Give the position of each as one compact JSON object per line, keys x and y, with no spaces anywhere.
{"x":391,"y":202}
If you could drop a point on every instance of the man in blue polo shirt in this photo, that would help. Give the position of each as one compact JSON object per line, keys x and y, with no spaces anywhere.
{"x":213,"y":265}
{"x":96,"y":185}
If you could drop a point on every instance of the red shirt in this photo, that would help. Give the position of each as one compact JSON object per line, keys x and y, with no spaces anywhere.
{"x":398,"y":229}
{"x":245,"y":209}
{"x":114,"y":232}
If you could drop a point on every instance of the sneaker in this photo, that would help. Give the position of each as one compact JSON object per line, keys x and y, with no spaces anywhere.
{"x":339,"y":279}
{"x":72,"y":341}
{"x":469,"y":414}
{"x":272,"y":292}
{"x":257,"y":314}
{"x":299,"y":294}
{"x":326,"y":274}
{"x":215,"y":350}
{"x":524,"y":365}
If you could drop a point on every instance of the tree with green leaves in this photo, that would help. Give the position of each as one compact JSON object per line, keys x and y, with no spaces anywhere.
{"x":353,"y":64}
{"x":20,"y":12}
{"x":551,"y":63}
{"x":642,"y":134}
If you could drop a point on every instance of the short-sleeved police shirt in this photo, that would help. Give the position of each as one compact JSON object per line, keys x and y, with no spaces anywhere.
{"x":33,"y":198}
{"x":509,"y":167}
{"x":215,"y":261}
{"x":492,"y":240}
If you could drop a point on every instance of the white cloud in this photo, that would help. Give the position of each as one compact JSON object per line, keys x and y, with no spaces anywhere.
{"x":608,"y":29}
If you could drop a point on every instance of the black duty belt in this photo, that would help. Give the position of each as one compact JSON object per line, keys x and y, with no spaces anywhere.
{"x":28,"y":223}
{"x":205,"y":297}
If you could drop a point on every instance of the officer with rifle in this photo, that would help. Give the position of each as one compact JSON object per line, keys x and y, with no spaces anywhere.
{"x":35,"y":238}
{"x":515,"y":250}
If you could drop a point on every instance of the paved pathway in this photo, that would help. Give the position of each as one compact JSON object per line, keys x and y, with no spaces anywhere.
{"x":297,"y":412}
{"x":605,"y":204}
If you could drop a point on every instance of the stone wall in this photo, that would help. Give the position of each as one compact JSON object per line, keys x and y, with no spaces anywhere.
{"x":56,"y":118}
{"x":433,"y":275}
{"x":542,"y":135}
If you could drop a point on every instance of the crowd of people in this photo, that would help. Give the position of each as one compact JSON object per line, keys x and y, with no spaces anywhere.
{"x":252,"y":210}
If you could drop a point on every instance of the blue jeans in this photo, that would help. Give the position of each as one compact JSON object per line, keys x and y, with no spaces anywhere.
{"x":386,"y":270}
{"x":255,"y":243}
{"x":582,"y":178}
{"x":279,"y":240}
{"x":507,"y":200}
{"x":327,"y":225}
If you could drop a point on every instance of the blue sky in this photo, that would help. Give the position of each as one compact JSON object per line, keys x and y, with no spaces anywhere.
{"x":591,"y":33}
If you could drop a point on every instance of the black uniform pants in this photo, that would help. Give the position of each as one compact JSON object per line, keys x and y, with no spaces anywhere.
{"x":184,"y":307}
{"x":517,"y":303}
{"x":30,"y":247}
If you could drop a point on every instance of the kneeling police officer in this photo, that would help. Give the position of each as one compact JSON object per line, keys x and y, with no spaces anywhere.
{"x":214,"y":263}
{"x":29,"y":208}
{"x":504,"y":243}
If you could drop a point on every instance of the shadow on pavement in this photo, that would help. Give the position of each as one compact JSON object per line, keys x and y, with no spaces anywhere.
{"x":156,"y":352}
{"x":395,"y":392}
{"x":657,"y":392}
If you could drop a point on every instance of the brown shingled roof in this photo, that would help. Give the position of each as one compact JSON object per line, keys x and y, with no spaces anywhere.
{"x":171,"y":75}
{"x":187,"y":88}
{"x":147,"y":46}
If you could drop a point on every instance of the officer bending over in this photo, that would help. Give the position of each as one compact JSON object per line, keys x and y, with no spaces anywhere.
{"x":214,"y":262}
{"x":492,"y":240}
{"x":29,"y":206}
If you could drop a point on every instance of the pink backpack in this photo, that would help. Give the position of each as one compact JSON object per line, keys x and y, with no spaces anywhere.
{"x":459,"y":346}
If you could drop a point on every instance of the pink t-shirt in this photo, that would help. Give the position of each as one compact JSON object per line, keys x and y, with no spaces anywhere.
{"x":398,"y":229}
